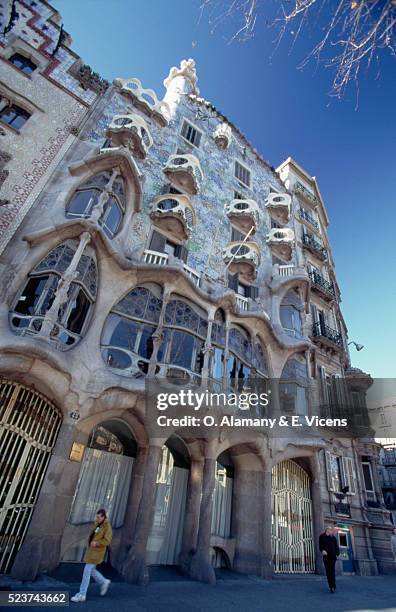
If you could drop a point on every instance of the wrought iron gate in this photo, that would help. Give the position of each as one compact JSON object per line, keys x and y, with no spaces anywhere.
{"x":29,"y":425}
{"x":292,"y":533}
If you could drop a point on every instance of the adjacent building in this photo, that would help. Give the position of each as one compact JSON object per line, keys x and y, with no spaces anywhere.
{"x":156,"y":243}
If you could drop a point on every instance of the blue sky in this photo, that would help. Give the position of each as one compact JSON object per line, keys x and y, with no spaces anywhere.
{"x":283,"y":111}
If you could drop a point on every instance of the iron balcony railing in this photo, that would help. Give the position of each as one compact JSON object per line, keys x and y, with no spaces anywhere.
{"x":320,"y":330}
{"x":343,"y":509}
{"x":315,"y":245}
{"x":307,"y":217}
{"x":319,"y":281}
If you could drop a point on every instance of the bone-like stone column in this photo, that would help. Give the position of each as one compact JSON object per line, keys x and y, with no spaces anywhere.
{"x":201,"y":567}
{"x":191,"y":519}
{"x":317,"y":511}
{"x":41,"y":548}
{"x":266,"y":526}
{"x":135,"y":569}
{"x":135,"y":494}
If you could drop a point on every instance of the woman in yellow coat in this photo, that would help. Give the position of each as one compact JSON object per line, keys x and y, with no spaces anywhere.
{"x":99,"y":540}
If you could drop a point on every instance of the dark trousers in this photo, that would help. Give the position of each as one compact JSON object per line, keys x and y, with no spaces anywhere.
{"x":329,"y":563}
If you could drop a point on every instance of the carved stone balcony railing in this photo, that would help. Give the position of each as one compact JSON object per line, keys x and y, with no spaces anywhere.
{"x":130,"y":131}
{"x":279,"y":206}
{"x":144,"y":99}
{"x":281,"y":241}
{"x":174,"y":213}
{"x":242,"y":257}
{"x":304,"y":214}
{"x":326,"y":335}
{"x":161,"y":259}
{"x":302,"y":191}
{"x":313,"y":245}
{"x":322,"y":285}
{"x":184,"y":172}
{"x":243,"y":213}
{"x":242,"y":302}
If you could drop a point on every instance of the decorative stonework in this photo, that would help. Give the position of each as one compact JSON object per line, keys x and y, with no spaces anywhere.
{"x":186,"y":70}
{"x":88,"y":78}
{"x":223,"y":135}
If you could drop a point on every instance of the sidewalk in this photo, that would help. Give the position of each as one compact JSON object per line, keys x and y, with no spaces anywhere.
{"x":232,"y":592}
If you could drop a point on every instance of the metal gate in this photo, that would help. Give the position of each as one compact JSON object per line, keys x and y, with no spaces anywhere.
{"x":292,"y":532}
{"x":29,"y":424}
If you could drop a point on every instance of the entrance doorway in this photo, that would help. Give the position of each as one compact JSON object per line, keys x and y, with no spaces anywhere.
{"x":103,"y":482}
{"x":292,"y":531}
{"x":346,"y":550}
{"x":29,"y":425}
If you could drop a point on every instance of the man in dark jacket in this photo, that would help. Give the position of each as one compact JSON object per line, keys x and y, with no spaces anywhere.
{"x":328,"y":546}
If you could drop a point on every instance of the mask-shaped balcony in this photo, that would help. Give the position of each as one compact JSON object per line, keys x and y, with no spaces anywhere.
{"x":144,"y":99}
{"x":223,"y":135}
{"x":242,"y":258}
{"x":184,"y":172}
{"x":244,"y":214}
{"x":281,"y":241}
{"x":279,"y":206}
{"x":130,"y":131}
{"x":174,"y":213}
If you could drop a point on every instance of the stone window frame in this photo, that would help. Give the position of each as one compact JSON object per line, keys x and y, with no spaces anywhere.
{"x":194,"y":127}
{"x":19,"y":45}
{"x":236,"y":162}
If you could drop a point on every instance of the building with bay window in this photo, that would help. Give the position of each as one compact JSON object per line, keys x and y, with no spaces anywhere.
{"x":162,"y":245}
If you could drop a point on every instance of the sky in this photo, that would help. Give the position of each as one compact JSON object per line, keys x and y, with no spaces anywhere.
{"x":283,"y":110}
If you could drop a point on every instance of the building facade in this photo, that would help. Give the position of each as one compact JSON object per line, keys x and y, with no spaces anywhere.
{"x":160,"y":244}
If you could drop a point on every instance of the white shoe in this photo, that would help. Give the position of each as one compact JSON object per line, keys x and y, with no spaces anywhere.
{"x":78,"y":597}
{"x":105,"y":587}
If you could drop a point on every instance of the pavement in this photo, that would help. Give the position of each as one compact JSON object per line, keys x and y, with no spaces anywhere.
{"x":169,"y":591}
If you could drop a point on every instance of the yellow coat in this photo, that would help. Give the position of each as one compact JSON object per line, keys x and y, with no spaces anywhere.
{"x":102,"y":537}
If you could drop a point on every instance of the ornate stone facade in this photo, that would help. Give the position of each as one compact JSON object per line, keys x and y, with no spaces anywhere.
{"x":99,"y":295}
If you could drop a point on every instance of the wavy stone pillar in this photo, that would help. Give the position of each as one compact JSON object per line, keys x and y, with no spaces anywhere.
{"x":41,"y":548}
{"x":267,"y":569}
{"x":201,"y":567}
{"x":317,"y":512}
{"x":135,"y":493}
{"x":191,"y":519}
{"x":135,"y":569}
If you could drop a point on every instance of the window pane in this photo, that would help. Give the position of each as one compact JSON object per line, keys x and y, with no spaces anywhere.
{"x":368,"y":483}
{"x":125,"y":334}
{"x":217,"y":371}
{"x":27,"y":302}
{"x":112,"y":218}
{"x":116,"y":359}
{"x":82,"y":203}
{"x":78,"y":313}
{"x":181,"y":349}
{"x":146,"y":342}
{"x":23,"y":63}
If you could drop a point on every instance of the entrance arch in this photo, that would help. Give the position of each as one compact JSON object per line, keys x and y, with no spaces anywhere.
{"x":165,"y":539}
{"x":293,"y":547}
{"x":29,"y":425}
{"x":103,"y":482}
{"x":222,"y":509}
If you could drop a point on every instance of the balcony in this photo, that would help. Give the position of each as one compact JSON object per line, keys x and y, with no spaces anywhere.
{"x":322,"y":286}
{"x":305,"y":193}
{"x":242,"y":257}
{"x":281,"y":241}
{"x":242,"y":302}
{"x":314,"y":246}
{"x":244,"y":214}
{"x":175,"y":214}
{"x":184,"y":172}
{"x":144,"y":99}
{"x":279,"y":206}
{"x":327,"y":336}
{"x":162,"y":259}
{"x":305,"y":216}
{"x":130,"y":131}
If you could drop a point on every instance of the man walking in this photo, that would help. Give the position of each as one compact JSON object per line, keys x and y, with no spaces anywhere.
{"x":328,"y":546}
{"x":99,"y":539}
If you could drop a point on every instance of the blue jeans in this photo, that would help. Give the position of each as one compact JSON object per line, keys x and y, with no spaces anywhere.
{"x":90,"y":570}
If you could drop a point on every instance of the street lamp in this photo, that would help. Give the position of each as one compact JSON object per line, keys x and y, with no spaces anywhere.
{"x":358,"y":347}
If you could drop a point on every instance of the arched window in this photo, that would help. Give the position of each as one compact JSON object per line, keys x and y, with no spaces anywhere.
{"x":86,"y":197}
{"x":185,"y":332}
{"x":14,"y":115}
{"x":290,"y":313}
{"x":260,"y":359}
{"x":218,"y":340}
{"x":23,"y":63}
{"x":240,"y":360}
{"x":40,"y":291}
{"x":127,"y":336}
{"x":293,"y":385}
